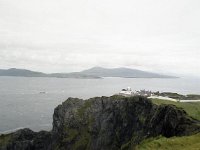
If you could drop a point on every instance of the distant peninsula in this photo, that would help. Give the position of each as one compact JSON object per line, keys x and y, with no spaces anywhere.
{"x":92,"y":73}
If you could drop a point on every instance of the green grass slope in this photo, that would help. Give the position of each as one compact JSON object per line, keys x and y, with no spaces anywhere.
{"x":192,"y":109}
{"x":174,"y":143}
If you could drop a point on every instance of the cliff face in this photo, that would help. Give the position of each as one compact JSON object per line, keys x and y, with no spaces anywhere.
{"x":104,"y":123}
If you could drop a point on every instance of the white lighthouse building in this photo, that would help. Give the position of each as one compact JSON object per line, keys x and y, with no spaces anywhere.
{"x":126,"y":92}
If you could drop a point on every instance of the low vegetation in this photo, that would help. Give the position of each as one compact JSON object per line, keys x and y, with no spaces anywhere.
{"x":192,"y":109}
{"x":179,"y":96}
{"x":174,"y":143}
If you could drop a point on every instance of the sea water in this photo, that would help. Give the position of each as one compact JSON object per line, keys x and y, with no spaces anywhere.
{"x":30,"y":102}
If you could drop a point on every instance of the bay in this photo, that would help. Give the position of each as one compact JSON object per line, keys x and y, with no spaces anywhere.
{"x":30,"y":102}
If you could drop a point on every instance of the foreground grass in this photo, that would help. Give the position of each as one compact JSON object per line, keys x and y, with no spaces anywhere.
{"x":174,"y":143}
{"x":192,"y":109}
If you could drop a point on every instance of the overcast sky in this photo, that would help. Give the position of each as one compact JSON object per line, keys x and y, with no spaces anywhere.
{"x":71,"y":35}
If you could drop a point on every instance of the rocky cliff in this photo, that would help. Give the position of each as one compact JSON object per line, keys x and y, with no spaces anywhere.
{"x":104,"y":123}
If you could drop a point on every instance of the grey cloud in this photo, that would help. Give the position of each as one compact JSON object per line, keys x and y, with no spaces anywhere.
{"x":63,"y":36}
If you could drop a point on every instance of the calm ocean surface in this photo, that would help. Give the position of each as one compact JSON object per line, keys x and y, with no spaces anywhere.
{"x":23,"y":102}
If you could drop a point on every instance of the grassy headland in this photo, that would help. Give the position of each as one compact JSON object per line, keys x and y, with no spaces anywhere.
{"x":192,"y":108}
{"x":174,"y":143}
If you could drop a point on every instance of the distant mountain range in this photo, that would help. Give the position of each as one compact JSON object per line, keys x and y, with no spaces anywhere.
{"x":95,"y":72}
{"x":122,"y":72}
{"x":29,"y":73}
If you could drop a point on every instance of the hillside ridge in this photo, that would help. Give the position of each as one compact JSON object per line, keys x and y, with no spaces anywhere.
{"x":92,"y":73}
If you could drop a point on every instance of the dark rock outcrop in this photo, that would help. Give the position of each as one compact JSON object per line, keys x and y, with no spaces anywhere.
{"x":104,"y":123}
{"x":25,"y":139}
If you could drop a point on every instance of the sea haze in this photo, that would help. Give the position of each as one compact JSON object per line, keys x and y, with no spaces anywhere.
{"x":30,"y":101}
